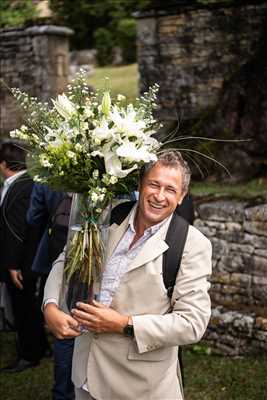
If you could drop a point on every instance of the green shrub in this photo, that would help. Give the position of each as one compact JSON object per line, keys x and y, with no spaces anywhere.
{"x":126,"y":39}
{"x":104,"y":43}
{"x":16,"y":13}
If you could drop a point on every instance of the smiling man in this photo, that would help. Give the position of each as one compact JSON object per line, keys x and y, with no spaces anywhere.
{"x":130,"y":349}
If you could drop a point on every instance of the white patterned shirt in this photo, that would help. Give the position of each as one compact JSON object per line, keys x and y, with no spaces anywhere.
{"x":122,"y":257}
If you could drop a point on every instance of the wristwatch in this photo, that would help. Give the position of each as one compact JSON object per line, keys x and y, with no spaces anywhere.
{"x":128,"y":330}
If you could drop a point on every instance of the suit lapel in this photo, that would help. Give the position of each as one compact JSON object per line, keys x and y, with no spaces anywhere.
{"x":115,"y":234}
{"x":152,"y":248}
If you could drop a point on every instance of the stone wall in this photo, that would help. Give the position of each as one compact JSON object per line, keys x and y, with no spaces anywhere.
{"x":34,"y":59}
{"x":191,"y":51}
{"x":238,"y":231}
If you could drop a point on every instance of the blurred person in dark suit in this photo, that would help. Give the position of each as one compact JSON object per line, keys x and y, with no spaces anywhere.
{"x":18,"y":243}
{"x":48,"y":208}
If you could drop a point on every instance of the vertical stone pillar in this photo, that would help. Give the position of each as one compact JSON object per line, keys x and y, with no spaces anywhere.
{"x":35,"y":60}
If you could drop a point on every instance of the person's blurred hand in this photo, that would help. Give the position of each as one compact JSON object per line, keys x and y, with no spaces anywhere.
{"x":17,"y":278}
{"x":62,"y":325}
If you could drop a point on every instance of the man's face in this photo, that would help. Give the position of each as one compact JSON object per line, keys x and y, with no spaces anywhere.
{"x":160,"y":193}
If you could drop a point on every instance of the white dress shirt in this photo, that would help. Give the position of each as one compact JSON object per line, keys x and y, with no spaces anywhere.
{"x":8,"y":182}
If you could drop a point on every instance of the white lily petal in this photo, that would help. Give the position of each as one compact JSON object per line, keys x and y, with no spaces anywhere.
{"x":131,"y":153}
{"x":97,"y":153}
{"x":103,"y":131}
{"x":64,"y":106}
{"x":114,"y":166}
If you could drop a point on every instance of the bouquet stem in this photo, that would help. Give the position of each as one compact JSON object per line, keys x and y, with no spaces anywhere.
{"x":85,"y":253}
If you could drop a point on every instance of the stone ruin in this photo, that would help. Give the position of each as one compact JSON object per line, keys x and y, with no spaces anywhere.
{"x":34,"y":59}
{"x":210,"y":63}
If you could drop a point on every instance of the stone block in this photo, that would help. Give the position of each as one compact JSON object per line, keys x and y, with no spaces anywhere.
{"x":244,"y":325}
{"x":220,"y":277}
{"x":257,"y":227}
{"x":259,"y":280}
{"x":242,"y":280}
{"x":146,"y":31}
{"x":259,"y":266}
{"x":259,"y":242}
{"x":218,"y":225}
{"x":260,"y":253}
{"x":222,"y":211}
{"x":261,"y":336}
{"x":261,"y":323}
{"x":242,"y":248}
{"x":209,"y":232}
{"x":219,"y":247}
{"x":257,"y":213}
{"x":231,"y":236}
{"x":236,"y":262}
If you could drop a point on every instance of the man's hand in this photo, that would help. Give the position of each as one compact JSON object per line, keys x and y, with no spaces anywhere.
{"x":62,"y":325}
{"x":17,"y":278}
{"x":98,"y":318}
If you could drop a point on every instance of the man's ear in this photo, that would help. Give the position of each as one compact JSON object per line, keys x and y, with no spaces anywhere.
{"x":181,"y":199}
{"x":3,"y":165}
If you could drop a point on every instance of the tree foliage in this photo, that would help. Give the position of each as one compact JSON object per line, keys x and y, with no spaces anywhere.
{"x":86,"y":16}
{"x":104,"y":44}
{"x":16,"y":12}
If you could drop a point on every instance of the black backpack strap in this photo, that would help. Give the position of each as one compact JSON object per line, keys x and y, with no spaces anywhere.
{"x":120,"y":212}
{"x":175,"y":238}
{"x":186,"y":209}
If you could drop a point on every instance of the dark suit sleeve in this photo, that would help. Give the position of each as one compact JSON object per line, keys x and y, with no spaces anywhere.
{"x":15,"y":226}
{"x":38,"y":213}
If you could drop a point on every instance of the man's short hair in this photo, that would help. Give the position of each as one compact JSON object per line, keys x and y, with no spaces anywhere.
{"x":12,"y":152}
{"x":172,"y":159}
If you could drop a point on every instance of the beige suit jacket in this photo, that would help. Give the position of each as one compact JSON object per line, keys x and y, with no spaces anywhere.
{"x":145,"y":368}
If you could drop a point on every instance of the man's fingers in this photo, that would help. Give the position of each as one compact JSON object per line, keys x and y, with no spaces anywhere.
{"x":91,"y":308}
{"x":16,"y":278}
{"x":78,"y":314}
{"x":19,"y":275}
{"x":73,"y":333}
{"x":72,"y":322}
{"x":18,"y":283}
{"x":85,"y":307}
{"x":98,"y":305}
{"x":67,"y":333}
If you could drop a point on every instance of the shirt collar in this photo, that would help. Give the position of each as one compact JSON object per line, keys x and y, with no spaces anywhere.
{"x":152,"y":229}
{"x":12,"y":178}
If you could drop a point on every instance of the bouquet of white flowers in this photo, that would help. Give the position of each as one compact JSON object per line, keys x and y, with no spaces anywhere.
{"x":86,"y":143}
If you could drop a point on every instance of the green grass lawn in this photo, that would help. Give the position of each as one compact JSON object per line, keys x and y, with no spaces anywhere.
{"x":207,"y":377}
{"x":123,"y":80}
{"x":252,"y":189}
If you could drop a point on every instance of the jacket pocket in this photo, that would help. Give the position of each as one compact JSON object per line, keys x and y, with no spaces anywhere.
{"x":153,"y":356}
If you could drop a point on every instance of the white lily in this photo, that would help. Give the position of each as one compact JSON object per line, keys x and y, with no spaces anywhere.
{"x":64,"y":106}
{"x":53,"y":137}
{"x":127,"y":124}
{"x":102,"y":131}
{"x":133,"y":154}
{"x":113,"y":164}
